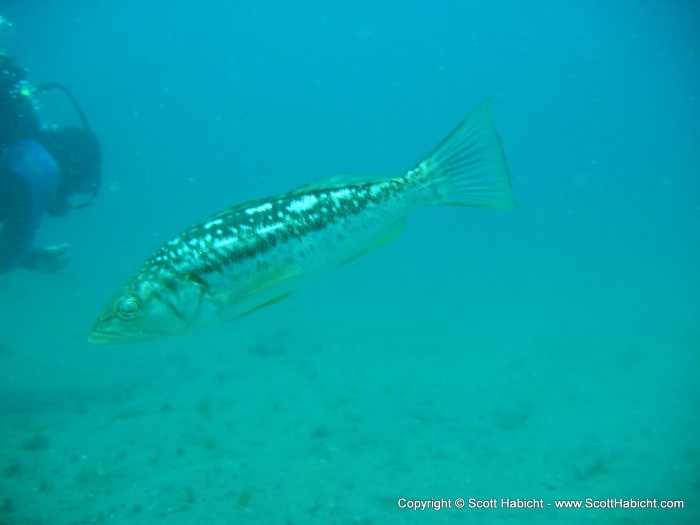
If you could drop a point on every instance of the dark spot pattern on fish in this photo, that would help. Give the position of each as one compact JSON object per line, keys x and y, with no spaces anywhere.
{"x":215,"y":245}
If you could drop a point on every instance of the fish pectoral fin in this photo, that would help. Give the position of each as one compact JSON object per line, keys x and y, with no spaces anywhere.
{"x":259,"y":287}
{"x":261,"y":306}
{"x":273,"y":279}
{"x":386,"y":237}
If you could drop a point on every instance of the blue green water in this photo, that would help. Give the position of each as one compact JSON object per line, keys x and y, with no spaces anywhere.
{"x":548,"y":352}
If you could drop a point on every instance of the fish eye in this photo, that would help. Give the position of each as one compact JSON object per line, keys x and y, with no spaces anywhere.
{"x":128,"y":307}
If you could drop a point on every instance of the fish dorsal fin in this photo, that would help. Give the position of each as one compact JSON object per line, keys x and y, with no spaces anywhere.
{"x":339,"y":181}
{"x":233,"y":209}
{"x":326,"y":183}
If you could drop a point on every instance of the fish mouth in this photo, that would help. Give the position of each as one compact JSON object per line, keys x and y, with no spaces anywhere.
{"x":105,"y":337}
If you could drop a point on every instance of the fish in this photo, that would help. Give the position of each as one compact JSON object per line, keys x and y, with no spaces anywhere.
{"x":255,"y":254}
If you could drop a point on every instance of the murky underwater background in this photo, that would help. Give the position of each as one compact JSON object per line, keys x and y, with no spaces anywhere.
{"x":548,"y":352}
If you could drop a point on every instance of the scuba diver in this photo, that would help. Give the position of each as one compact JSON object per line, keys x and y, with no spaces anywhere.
{"x":42,"y":170}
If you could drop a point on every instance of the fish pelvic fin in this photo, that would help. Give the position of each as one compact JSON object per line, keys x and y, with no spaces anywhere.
{"x":468,"y":168}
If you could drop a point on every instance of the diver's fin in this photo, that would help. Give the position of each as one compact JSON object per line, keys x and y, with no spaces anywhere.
{"x":469,"y":168}
{"x":387,"y":236}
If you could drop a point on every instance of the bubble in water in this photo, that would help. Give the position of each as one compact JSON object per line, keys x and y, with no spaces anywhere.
{"x":7,"y":36}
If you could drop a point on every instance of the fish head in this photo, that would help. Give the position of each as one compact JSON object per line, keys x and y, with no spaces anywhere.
{"x":147,"y":308}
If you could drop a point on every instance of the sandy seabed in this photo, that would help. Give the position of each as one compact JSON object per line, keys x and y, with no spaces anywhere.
{"x":335,"y":425}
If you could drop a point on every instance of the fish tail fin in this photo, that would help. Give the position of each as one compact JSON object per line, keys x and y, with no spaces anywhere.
{"x":468,"y":168}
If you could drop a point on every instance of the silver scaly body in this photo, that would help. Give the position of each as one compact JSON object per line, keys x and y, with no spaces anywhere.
{"x":255,"y":254}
